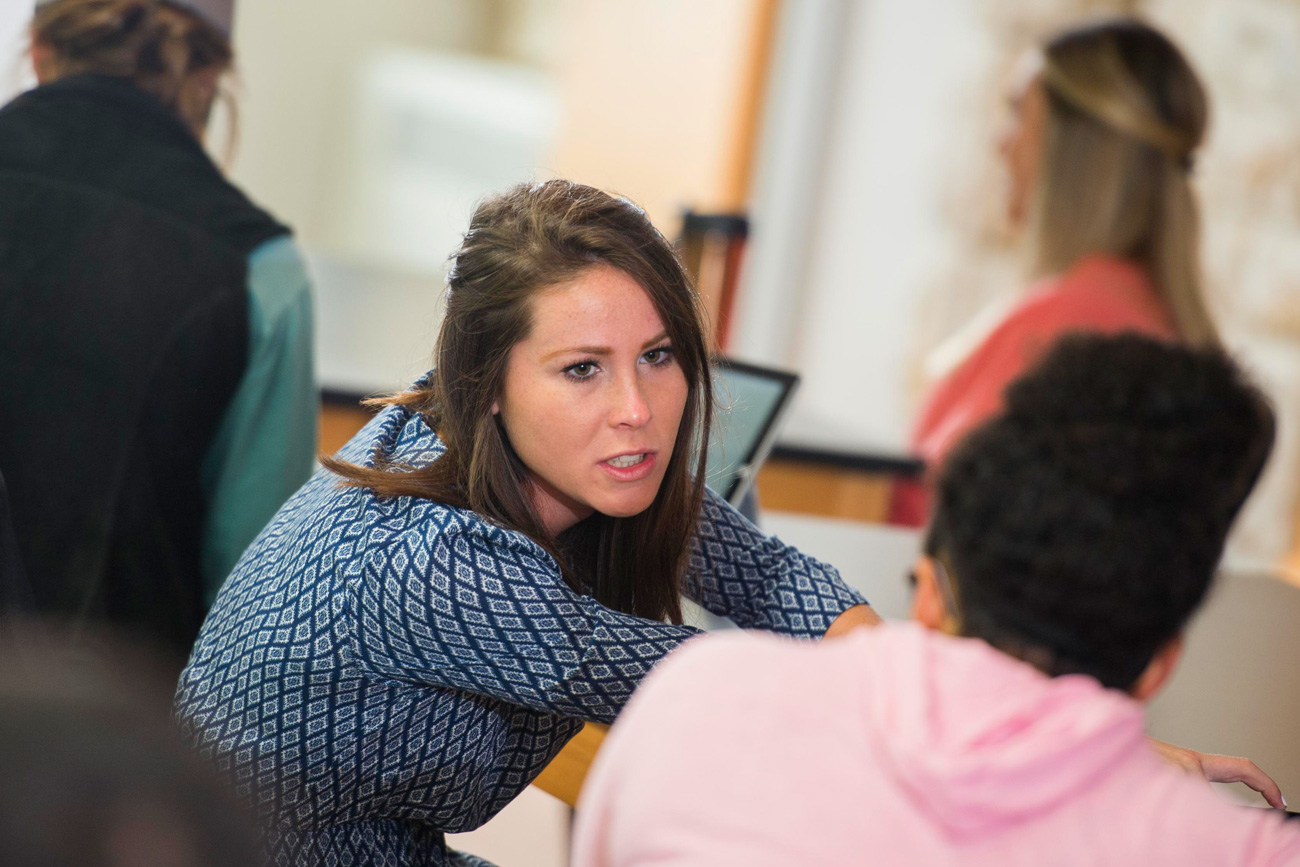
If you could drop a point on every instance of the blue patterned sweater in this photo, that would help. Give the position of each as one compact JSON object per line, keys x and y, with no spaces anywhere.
{"x":376,"y":672}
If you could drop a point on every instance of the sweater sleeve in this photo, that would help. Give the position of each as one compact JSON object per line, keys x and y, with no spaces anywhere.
{"x":758,"y":581}
{"x":478,"y":610}
{"x":265,"y":448}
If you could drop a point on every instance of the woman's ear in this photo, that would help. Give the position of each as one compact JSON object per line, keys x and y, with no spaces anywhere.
{"x":43,"y":61}
{"x":496,"y":407}
{"x":928,"y":607}
{"x":1158,"y":670}
{"x":198,"y":94}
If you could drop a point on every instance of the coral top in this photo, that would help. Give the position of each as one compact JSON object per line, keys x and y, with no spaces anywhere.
{"x":1098,"y":294}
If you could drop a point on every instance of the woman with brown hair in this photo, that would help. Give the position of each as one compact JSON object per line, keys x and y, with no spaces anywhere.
{"x":159,"y":402}
{"x":1106,"y":121}
{"x":497,"y":557}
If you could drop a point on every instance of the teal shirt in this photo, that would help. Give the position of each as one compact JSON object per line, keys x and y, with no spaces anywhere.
{"x":265,"y":448}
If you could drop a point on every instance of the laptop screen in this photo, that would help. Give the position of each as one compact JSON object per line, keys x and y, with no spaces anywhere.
{"x":749,"y":402}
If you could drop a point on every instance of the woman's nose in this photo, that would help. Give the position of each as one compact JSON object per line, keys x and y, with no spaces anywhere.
{"x":630,"y":407}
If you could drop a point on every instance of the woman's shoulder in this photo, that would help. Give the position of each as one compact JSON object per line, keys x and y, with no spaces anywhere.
{"x":431,"y":524}
{"x":1097,"y":293}
{"x":1100,"y":294}
{"x":397,"y":435}
{"x":401,"y":438}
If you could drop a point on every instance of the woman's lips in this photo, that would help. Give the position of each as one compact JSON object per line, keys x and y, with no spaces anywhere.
{"x":634,"y":473}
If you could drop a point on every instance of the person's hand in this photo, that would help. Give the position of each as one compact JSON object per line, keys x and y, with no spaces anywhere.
{"x":852,"y":618}
{"x":1222,"y":769}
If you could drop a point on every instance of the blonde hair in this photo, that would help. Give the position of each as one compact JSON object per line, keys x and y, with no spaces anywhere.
{"x":157,"y":45}
{"x":1126,"y":115}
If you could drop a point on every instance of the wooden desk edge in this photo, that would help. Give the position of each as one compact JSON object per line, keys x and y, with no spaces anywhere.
{"x":564,"y":776}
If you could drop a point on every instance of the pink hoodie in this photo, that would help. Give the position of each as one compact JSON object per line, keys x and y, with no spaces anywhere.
{"x":895,"y":746}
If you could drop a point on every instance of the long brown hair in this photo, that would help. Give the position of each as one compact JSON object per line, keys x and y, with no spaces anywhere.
{"x":1126,"y":115}
{"x":519,"y":243}
{"x":157,"y":45}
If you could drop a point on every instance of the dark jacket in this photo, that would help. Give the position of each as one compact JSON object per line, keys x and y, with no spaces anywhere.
{"x":15,"y":592}
{"x":123,"y":335}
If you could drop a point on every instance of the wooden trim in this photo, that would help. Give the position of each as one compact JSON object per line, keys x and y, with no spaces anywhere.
{"x":828,"y":491}
{"x":338,"y":423}
{"x":753,"y":88}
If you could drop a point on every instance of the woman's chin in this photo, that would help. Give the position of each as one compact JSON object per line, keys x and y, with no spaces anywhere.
{"x":625,"y":508}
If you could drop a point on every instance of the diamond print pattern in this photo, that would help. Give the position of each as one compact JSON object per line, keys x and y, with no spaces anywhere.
{"x":377,"y":673}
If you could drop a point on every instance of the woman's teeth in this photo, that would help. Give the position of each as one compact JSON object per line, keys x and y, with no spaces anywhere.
{"x":626,"y":461}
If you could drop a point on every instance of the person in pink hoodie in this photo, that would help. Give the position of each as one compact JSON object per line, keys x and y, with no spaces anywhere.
{"x":1073,"y":536}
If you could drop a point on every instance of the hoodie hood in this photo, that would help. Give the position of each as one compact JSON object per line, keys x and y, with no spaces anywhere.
{"x":980,"y":741}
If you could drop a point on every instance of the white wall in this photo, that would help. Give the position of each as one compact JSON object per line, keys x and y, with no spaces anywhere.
{"x":372,"y":129}
{"x":15,"y":72}
{"x":792,"y":138}
{"x":872,"y":223}
{"x":299,"y":64}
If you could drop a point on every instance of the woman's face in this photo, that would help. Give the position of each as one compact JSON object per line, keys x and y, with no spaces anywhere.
{"x":1021,"y":140}
{"x":593,"y":399}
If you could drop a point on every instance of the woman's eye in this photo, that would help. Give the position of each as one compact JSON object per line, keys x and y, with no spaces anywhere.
{"x":658,"y":356}
{"x":581,"y":370}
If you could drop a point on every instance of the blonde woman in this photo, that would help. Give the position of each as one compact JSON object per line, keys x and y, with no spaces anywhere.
{"x":1106,"y":121}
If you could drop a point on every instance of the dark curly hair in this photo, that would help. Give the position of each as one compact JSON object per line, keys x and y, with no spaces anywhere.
{"x":1083,"y":524}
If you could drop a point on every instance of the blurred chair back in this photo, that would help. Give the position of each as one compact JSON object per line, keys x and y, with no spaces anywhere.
{"x":1237,"y":689}
{"x":711,"y":247}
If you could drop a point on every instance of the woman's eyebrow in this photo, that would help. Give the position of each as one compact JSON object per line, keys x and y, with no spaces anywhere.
{"x":578,"y":350}
{"x":601,"y":350}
